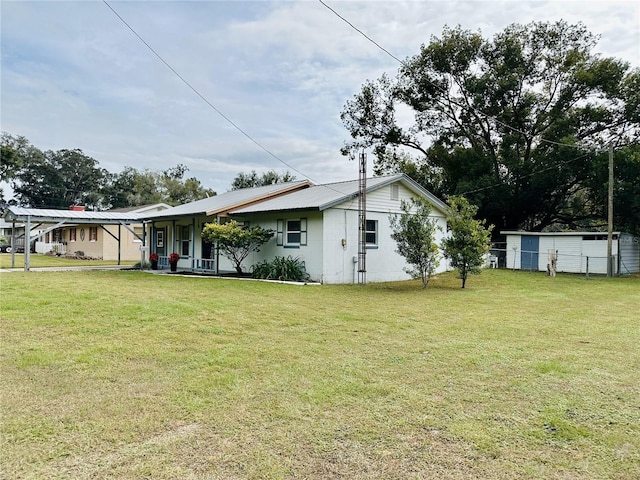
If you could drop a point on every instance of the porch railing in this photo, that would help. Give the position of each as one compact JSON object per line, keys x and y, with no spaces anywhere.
{"x":197,"y":264}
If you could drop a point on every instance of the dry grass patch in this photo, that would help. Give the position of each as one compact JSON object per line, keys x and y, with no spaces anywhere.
{"x":130,"y":375}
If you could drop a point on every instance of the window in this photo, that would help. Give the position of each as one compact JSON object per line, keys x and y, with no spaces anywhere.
{"x":371,"y":232}
{"x":184,"y":240}
{"x":93,"y":234}
{"x":72,"y":234}
{"x":292,"y":233}
{"x":160,"y":239}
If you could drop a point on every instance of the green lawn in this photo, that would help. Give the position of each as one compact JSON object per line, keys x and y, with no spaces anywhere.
{"x":37,"y":261}
{"x":124,"y":374}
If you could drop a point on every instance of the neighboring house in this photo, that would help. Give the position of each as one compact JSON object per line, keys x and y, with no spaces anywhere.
{"x":8,"y":233}
{"x":317,"y":223}
{"x":576,"y":251}
{"x":100,"y":241}
{"x":109,"y":235}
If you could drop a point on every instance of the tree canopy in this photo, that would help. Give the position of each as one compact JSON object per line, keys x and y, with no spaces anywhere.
{"x":235,"y":241}
{"x":514,"y":122}
{"x":249,"y":180}
{"x":58,"y":179}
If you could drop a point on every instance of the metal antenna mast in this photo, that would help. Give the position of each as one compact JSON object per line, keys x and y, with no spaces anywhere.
{"x":362,"y":221}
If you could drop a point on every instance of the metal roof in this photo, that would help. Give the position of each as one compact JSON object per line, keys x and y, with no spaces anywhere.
{"x":553,"y":234}
{"x":76,"y":216}
{"x":322,"y":197}
{"x":224,"y":202}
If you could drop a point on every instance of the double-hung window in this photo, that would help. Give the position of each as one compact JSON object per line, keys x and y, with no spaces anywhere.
{"x":93,"y":234}
{"x":184,"y":240}
{"x":72,"y":234}
{"x":371,"y":233}
{"x":292,"y":233}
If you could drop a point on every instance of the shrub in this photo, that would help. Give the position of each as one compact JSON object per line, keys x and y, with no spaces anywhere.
{"x":281,"y":268}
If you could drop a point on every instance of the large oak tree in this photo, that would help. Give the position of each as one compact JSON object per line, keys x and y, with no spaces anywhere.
{"x":511,"y":122}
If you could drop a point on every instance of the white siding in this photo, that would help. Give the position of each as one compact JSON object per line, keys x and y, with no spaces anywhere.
{"x":629,"y":254}
{"x":572,"y":250}
{"x":569,"y":253}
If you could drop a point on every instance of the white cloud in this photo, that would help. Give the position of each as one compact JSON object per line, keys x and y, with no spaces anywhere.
{"x":73,"y":76}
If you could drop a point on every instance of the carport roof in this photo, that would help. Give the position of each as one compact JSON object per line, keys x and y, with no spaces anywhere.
{"x":22,"y":214}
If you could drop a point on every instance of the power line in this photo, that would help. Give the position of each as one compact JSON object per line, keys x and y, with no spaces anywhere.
{"x":202,"y":97}
{"x":436,"y":86}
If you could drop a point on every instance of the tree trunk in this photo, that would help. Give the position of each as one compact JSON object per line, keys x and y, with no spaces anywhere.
{"x":239,"y":269}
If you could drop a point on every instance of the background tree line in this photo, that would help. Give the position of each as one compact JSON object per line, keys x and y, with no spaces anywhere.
{"x":58,"y":179}
{"x":519,"y":124}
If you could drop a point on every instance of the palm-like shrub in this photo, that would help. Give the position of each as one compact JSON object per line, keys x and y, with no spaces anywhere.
{"x":281,"y":268}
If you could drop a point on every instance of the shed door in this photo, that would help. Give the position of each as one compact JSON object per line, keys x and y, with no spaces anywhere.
{"x":529,"y":246}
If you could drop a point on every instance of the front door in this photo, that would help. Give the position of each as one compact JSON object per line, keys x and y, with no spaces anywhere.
{"x":161,"y":241}
{"x":529,"y":246}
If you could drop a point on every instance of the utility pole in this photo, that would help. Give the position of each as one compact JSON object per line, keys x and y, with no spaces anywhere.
{"x":610,"y":215}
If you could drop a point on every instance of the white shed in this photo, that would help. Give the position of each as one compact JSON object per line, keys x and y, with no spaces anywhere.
{"x":576,"y":251}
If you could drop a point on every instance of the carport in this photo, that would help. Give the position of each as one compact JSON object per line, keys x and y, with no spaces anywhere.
{"x":36,"y":217}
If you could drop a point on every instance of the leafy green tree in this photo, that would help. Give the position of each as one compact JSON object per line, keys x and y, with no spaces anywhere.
{"x":492,"y":118}
{"x":626,"y":190}
{"x":414,"y":232}
{"x":249,"y":180}
{"x":133,"y":187}
{"x":59,"y":179}
{"x":235,"y":241}
{"x":467,"y":244}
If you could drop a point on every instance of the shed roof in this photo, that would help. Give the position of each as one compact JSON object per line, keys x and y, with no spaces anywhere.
{"x":553,"y":234}
{"x":223,"y":203}
{"x":322,"y":197}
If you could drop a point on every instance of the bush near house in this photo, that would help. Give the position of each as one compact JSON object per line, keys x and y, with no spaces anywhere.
{"x":281,"y":268}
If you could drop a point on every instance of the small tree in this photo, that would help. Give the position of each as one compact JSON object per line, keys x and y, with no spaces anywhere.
{"x":468,"y":242}
{"x":414,"y":234}
{"x":235,"y":241}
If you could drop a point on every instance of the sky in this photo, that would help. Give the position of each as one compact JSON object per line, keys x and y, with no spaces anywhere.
{"x":73,"y":75}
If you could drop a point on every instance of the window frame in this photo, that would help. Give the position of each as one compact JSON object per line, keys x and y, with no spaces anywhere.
{"x":93,"y":233}
{"x":374,"y":232}
{"x":283,"y":231}
{"x":184,"y":240}
{"x":73,"y":234}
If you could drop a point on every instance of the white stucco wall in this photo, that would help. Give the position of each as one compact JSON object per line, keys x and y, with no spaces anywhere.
{"x":383,"y":264}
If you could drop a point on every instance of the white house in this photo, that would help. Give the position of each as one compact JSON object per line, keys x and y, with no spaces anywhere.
{"x":317,"y":223}
{"x":576,"y":251}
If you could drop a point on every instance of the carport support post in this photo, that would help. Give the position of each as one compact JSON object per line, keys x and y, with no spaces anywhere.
{"x":13,"y":245}
{"x":27,"y":244}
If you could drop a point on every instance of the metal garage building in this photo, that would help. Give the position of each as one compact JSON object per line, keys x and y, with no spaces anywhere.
{"x":577,"y":252}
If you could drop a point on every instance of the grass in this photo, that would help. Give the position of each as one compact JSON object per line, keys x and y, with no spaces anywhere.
{"x":38,"y":261}
{"x":123,"y":374}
